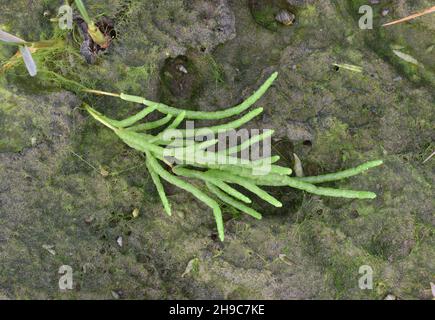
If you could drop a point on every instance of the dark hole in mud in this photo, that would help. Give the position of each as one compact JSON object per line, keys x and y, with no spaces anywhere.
{"x":214,"y":237}
{"x":291,"y":199}
{"x":354,"y":214}
{"x":307,"y":143}
{"x":336,"y":68}
{"x":284,"y":148}
{"x":179,"y":81}
{"x":89,"y":49}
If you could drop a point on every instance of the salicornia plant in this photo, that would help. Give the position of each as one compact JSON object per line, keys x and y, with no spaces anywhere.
{"x":225,"y":170}
{"x":93,"y":30}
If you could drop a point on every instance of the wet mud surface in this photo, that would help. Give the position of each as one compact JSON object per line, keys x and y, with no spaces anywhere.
{"x":68,"y":186}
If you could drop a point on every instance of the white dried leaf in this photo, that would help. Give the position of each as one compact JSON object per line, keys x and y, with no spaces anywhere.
{"x":49,"y":248}
{"x":7,"y":37}
{"x":135,"y":213}
{"x":298,"y":166}
{"x":119,"y":241}
{"x":190,"y":266}
{"x":28,"y":60}
{"x":406,"y":57}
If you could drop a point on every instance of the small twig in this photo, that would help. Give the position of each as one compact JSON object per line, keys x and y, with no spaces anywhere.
{"x":116,"y":173}
{"x":82,"y":159}
{"x":428,"y":158}
{"x":99,"y":92}
{"x":283,"y":257}
{"x":412,"y":16}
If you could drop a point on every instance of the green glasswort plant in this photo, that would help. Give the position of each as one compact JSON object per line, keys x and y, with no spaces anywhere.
{"x":218,"y":176}
{"x":93,"y":30}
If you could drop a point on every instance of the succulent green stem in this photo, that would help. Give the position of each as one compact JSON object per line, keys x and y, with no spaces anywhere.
{"x":249,"y":142}
{"x":342,"y":174}
{"x":232,"y":202}
{"x":232,"y":178}
{"x":151,"y":125}
{"x":159,"y":187}
{"x":196,"y":115}
{"x":93,"y":30}
{"x":165,"y":175}
{"x":209,"y":178}
{"x":83,"y":12}
{"x":188,"y":133}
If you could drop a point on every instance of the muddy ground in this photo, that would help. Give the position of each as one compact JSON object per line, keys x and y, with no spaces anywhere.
{"x":68,"y":186}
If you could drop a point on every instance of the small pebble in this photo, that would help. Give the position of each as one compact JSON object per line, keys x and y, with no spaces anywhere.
{"x":135,"y":213}
{"x":182,"y":69}
{"x":385,"y":12}
{"x":180,"y":214}
{"x":119,"y":241}
{"x":375,"y":1}
{"x":285,"y":17}
{"x":88,"y":220}
{"x":390,"y":297}
{"x":104,"y":172}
